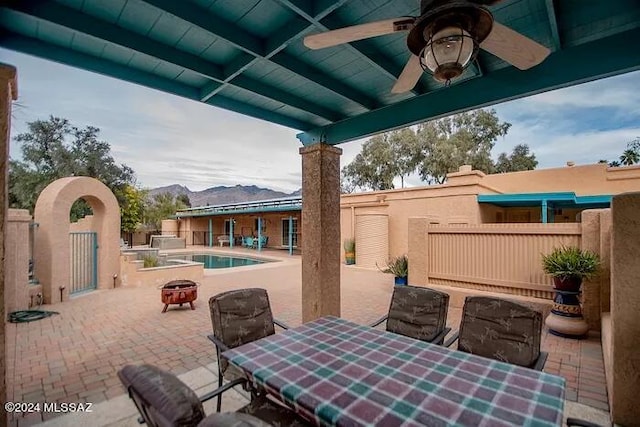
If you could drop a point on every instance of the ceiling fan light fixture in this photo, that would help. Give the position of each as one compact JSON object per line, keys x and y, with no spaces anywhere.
{"x":448,"y":52}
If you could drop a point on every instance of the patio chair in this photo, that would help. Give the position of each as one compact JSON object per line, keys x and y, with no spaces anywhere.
{"x":419,"y":313}
{"x":501,"y":329}
{"x":164,"y":401}
{"x":239,"y":317}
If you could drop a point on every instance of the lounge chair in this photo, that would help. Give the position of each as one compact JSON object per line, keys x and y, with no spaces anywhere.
{"x":501,"y":329}
{"x":417,"y":312}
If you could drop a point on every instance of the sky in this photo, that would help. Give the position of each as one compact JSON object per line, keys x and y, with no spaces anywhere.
{"x":171,"y":140}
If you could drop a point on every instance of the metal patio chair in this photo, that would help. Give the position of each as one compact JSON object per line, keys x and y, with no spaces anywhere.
{"x":164,"y":401}
{"x":239,"y":317}
{"x":501,"y":329}
{"x":417,"y":312}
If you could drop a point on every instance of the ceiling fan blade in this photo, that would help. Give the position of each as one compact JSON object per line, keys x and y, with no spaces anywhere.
{"x":358,"y":32}
{"x":513,"y":47}
{"x":409,"y":76}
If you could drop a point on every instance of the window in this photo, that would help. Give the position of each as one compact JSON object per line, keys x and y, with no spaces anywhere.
{"x":294,"y":232}
{"x":264,"y":225}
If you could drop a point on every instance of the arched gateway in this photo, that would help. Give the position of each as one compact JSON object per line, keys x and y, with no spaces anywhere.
{"x":53,"y":244}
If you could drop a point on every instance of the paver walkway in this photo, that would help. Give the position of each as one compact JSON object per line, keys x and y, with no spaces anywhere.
{"x":74,"y":356}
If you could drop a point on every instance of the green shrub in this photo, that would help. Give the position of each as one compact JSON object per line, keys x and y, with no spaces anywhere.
{"x":349,"y":245}
{"x":570,"y":261}
{"x":150,"y":261}
{"x":398,"y":266}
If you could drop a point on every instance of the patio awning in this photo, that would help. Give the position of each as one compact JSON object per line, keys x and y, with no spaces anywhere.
{"x":248,"y":56}
{"x":547,"y":201}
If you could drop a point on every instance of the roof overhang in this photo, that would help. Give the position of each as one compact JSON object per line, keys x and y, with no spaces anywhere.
{"x":556,"y":200}
{"x":248,"y":56}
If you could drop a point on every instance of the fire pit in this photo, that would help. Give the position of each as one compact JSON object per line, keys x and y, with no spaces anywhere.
{"x":179,"y":292}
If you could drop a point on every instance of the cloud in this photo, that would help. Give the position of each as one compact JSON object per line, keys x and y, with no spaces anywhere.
{"x":167,"y":139}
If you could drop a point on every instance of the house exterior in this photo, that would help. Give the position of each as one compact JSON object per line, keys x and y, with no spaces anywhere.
{"x":378,"y":220}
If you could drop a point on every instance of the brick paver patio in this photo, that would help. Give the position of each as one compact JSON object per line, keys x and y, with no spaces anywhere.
{"x":74,"y":356}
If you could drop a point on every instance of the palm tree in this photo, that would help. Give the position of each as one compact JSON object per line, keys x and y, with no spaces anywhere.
{"x":629,"y":157}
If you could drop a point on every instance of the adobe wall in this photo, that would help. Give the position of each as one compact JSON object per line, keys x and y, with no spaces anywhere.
{"x":52,"y":249}
{"x":19,"y":294}
{"x":583,"y":180}
{"x":8,"y":93}
{"x":442,"y":204}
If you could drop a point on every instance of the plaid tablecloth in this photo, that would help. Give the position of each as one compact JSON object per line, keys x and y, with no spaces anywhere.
{"x":339,"y":373}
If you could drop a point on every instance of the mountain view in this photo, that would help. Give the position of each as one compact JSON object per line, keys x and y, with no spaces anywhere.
{"x":222,"y":195}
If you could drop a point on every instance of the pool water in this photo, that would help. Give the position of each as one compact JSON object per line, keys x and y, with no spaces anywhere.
{"x":218,"y":261}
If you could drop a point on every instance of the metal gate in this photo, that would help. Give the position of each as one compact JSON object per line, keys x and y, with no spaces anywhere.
{"x":84,"y":261}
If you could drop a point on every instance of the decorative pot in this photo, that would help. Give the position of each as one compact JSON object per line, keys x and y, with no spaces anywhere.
{"x":350,"y":258}
{"x":570,"y":284}
{"x":566,"y":319}
{"x":401,"y":281}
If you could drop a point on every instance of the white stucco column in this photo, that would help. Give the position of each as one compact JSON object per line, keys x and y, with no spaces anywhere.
{"x":8,"y":93}
{"x":320,"y":231}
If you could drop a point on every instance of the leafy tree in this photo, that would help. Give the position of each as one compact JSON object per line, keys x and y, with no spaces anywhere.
{"x":614,"y":164}
{"x":161,"y":206}
{"x":373,"y":167}
{"x":466,"y":138}
{"x":53,"y":149}
{"x":383,"y":158}
{"x":132,"y":207}
{"x":184,"y":198}
{"x":518,"y":160}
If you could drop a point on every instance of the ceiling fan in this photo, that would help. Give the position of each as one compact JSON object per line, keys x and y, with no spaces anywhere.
{"x":443,"y":40}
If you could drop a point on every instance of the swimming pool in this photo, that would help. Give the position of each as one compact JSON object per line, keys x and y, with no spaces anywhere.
{"x":218,"y":261}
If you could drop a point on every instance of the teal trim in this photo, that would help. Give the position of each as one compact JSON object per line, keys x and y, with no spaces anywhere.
{"x":91,"y":63}
{"x":259,"y":233}
{"x":231,"y":233}
{"x":320,"y":77}
{"x":290,"y":235}
{"x":568,"y":67}
{"x":544,"y":210}
{"x":255,"y":48}
{"x":284,"y":204}
{"x":244,"y":211}
{"x":558,"y":199}
{"x":83,"y":23}
{"x":553,"y":24}
{"x":210,"y":232}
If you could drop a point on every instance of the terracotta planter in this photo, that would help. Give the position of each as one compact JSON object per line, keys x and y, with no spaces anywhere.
{"x":350,"y":258}
{"x":571,"y":284}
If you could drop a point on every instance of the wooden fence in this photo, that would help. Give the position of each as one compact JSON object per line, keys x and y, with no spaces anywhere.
{"x":496,"y":257}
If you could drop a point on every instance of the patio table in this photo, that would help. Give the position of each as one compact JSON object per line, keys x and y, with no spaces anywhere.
{"x":335,"y":372}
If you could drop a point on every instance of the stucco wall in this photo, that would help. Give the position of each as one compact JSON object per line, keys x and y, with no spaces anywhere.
{"x":52,"y":249}
{"x":134,"y":274}
{"x":455,"y":202}
{"x":583,"y":180}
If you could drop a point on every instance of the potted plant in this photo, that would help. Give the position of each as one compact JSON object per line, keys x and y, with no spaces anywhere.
{"x":350,"y":251}
{"x":569,"y":265}
{"x":399,"y":267}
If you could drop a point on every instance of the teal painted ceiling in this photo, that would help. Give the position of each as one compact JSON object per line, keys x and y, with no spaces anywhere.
{"x":247,"y":55}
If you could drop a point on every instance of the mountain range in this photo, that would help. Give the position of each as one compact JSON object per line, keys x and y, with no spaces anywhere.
{"x":223,"y":195}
